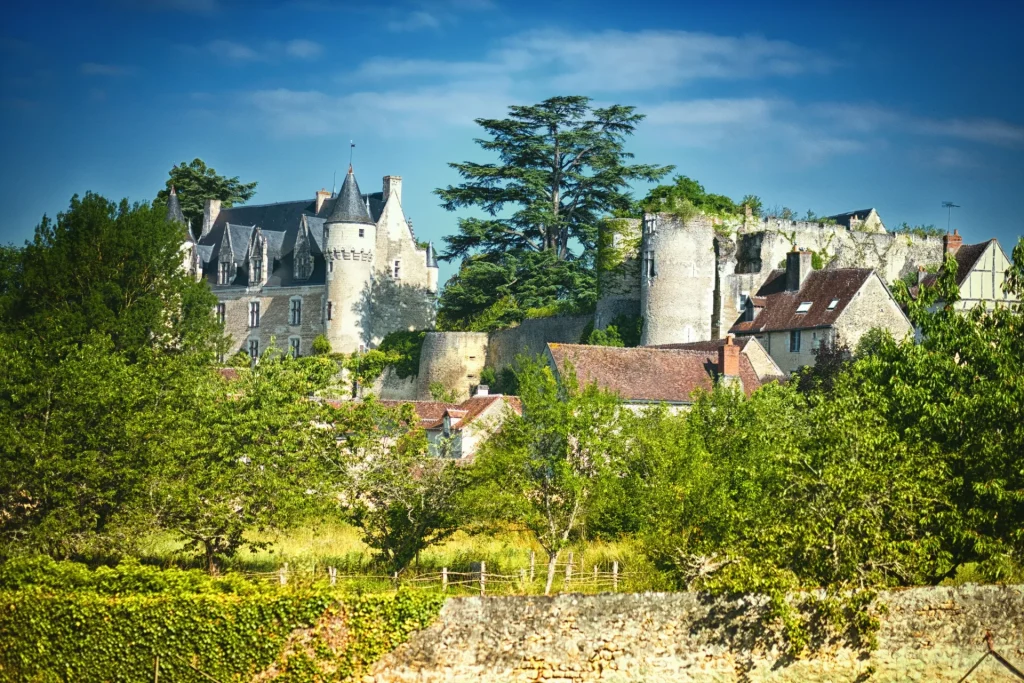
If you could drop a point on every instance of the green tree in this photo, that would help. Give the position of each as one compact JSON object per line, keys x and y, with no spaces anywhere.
{"x":196,"y":182}
{"x":248,"y":455}
{"x":544,"y":469}
{"x":561,"y":167}
{"x":109,"y":269}
{"x":687,"y":196}
{"x":401,"y":497}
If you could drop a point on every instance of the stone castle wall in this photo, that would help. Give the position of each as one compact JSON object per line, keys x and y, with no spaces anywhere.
{"x":453,"y":359}
{"x":274,"y":318}
{"x":618,"y":270}
{"x":530,"y":337}
{"x":927,"y":634}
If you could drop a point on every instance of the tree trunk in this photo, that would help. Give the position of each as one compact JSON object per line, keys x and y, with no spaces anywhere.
{"x":552,"y":559}
{"x":211,"y":564}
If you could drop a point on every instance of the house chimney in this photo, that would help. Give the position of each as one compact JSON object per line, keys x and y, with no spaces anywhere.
{"x":210,"y":212}
{"x":322,"y":195}
{"x":798,"y":267}
{"x":729,"y":358}
{"x":921,"y":272}
{"x":482,"y":390}
{"x":952,"y":242}
{"x":393,"y":186}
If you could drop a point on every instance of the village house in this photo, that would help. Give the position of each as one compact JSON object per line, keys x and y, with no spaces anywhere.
{"x":645,"y":375}
{"x":798,"y":308}
{"x":980,"y":273}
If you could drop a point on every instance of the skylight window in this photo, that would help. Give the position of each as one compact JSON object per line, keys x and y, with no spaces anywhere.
{"x":804,"y":306}
{"x":832,"y":304}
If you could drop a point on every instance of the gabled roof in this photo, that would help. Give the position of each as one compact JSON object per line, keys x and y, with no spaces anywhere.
{"x":707,"y":346}
{"x":350,"y":206}
{"x":431,"y":413}
{"x":966,"y":258}
{"x":820,"y":288}
{"x":840,"y":217}
{"x":646,"y":374}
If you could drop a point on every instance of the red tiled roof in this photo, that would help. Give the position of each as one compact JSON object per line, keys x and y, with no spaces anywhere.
{"x":710,"y":345}
{"x":647,"y":373}
{"x":431,"y":413}
{"x":230,"y":374}
{"x":820,"y":288}
{"x":966,"y":257}
{"x":428,"y":412}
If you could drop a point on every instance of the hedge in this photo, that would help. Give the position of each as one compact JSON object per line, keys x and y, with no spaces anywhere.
{"x":110,"y":624}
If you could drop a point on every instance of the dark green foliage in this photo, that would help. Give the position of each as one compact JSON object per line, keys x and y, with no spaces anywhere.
{"x":321,"y":346}
{"x":404,"y":347}
{"x":562,"y":166}
{"x":112,"y":269}
{"x":62,"y":622}
{"x":830,"y":358}
{"x":919,"y":230}
{"x":624,"y":330}
{"x":504,"y":382}
{"x":496,"y":292}
{"x":195,"y":183}
{"x":687,"y":196}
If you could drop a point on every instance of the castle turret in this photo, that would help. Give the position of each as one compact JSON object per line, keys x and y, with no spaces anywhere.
{"x":432,"y":269}
{"x":677,"y":279}
{"x":174,"y":214}
{"x":349,"y":238}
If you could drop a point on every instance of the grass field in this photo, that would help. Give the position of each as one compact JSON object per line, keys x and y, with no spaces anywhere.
{"x":309,"y":551}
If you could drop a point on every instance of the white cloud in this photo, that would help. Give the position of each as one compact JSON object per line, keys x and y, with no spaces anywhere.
{"x":618,"y":61}
{"x":303,"y":49}
{"x":988,"y":131}
{"x":234,"y":52}
{"x":414,"y":22}
{"x":192,"y":6}
{"x":115,"y":70}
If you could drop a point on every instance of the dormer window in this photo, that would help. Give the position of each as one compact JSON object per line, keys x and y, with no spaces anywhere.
{"x":223,"y":272}
{"x":257,"y":271}
{"x":804,"y":306}
{"x":832,"y":304}
{"x":447,"y":425}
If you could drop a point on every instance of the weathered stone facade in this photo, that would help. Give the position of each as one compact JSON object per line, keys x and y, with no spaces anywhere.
{"x":926,"y":634}
{"x":351,"y":260}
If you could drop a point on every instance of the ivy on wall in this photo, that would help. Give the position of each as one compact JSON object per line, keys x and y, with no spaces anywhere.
{"x":59,"y":621}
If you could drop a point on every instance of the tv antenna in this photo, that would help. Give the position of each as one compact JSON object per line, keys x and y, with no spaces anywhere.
{"x":949,"y":206}
{"x":351,"y":151}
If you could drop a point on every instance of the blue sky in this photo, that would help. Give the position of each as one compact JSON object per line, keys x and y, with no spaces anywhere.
{"x":834,"y":107}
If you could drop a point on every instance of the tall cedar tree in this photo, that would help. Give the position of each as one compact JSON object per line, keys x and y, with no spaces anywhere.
{"x":561,"y":167}
{"x":196,"y":182}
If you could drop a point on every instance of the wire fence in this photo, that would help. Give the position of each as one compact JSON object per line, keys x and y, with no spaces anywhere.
{"x":568,"y":577}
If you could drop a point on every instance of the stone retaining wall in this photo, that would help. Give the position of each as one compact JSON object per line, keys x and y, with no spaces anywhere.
{"x":927,"y":634}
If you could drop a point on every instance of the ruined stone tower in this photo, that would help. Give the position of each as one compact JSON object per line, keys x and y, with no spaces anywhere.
{"x":677,"y":279}
{"x":349,"y":237}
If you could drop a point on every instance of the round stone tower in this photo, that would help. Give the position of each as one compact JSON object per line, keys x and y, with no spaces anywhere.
{"x":677,"y":279}
{"x":349,"y":237}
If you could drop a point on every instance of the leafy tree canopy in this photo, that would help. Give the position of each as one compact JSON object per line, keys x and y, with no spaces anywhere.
{"x":112,"y":269}
{"x":196,"y":182}
{"x":686,"y":196}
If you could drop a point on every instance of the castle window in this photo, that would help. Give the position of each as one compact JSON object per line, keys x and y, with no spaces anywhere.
{"x":293,"y":343}
{"x":794,"y":341}
{"x":395,"y":273}
{"x":254,"y":349}
{"x":295,"y":312}
{"x":330,"y":265}
{"x":257,"y":272}
{"x":330,"y":309}
{"x":804,"y":306}
{"x":362,"y":232}
{"x":648,"y":263}
{"x":254,"y":314}
{"x":222,"y":310}
{"x":223,"y":272}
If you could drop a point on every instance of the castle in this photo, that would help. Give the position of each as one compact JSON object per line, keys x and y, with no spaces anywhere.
{"x":347,"y":267}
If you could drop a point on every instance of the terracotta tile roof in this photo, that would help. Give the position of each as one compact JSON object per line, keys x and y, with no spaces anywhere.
{"x":431,"y":413}
{"x":710,"y":345}
{"x":966,"y":257}
{"x":820,"y":288}
{"x":230,"y":374}
{"x":647,"y":373}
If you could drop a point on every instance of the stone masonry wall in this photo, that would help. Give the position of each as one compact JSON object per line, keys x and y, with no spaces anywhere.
{"x":274,"y":317}
{"x":871,"y":307}
{"x":927,"y":634}
{"x":530,"y":337}
{"x":455,"y":359}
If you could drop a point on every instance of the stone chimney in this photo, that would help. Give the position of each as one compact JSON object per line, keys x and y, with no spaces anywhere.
{"x":322,"y":195}
{"x":210,"y":212}
{"x":482,"y":390}
{"x":952,"y":242}
{"x":393,"y":186}
{"x":729,"y":358}
{"x":798,"y":267}
{"x":921,"y":272}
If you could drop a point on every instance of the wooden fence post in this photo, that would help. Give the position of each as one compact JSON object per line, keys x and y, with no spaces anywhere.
{"x":533,"y":564}
{"x":615,"y":576}
{"x":568,"y":569}
{"x":483,"y":574}
{"x":284,"y":574}
{"x":156,"y":669}
{"x":595,"y":577}
{"x":522,"y":579}
{"x":395,"y":579}
{"x":444,"y":579}
{"x":333,"y":573}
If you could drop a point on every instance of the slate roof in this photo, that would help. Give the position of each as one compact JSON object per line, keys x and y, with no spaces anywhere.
{"x":966,"y":257}
{"x":648,"y":374}
{"x":174,"y":213}
{"x":350,"y":206}
{"x":820,"y":288}
{"x":840,"y":217}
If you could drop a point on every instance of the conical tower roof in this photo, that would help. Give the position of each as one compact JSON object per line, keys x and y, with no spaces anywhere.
{"x":174,"y":214}
{"x":349,"y":206}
